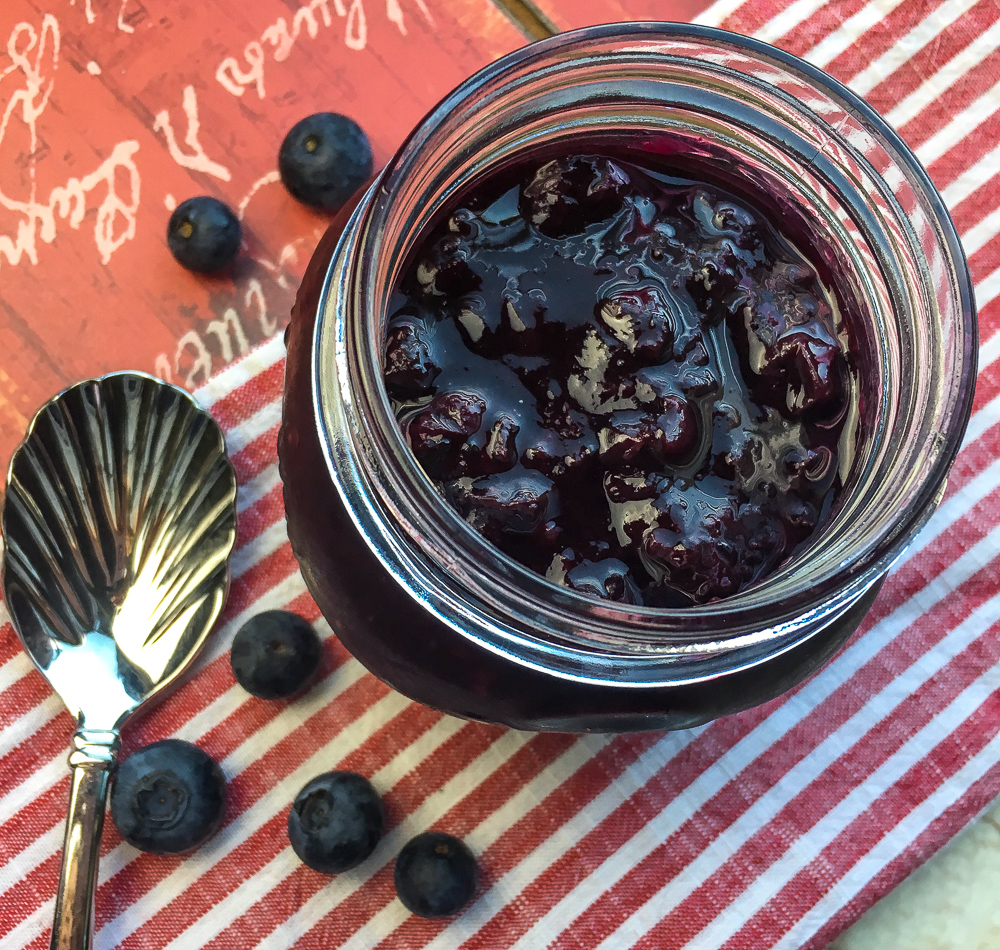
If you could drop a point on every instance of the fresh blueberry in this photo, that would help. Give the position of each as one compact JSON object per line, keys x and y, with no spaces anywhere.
{"x":324,"y":159}
{"x":274,"y":654}
{"x":435,"y":875}
{"x":335,"y":822}
{"x":204,"y":235}
{"x":168,"y":797}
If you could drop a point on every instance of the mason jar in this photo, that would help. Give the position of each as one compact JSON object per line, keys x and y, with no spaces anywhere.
{"x":437,"y":612}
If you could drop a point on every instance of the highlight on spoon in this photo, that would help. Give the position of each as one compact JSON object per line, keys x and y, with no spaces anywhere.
{"x":118,"y":522}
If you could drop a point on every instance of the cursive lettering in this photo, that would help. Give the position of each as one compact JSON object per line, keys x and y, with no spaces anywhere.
{"x":356,"y":35}
{"x":234,"y":79}
{"x":198,"y":161}
{"x":192,"y":361}
{"x":282,"y":39}
{"x":116,"y":214}
{"x":122,"y":25}
{"x":229,"y":324}
{"x":88,"y":12}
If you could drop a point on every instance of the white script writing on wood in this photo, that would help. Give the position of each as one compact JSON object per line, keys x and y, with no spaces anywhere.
{"x":282,"y":37}
{"x":34,"y":59}
{"x":197,"y":160}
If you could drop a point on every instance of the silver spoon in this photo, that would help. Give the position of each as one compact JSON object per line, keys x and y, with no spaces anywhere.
{"x":118,"y":522}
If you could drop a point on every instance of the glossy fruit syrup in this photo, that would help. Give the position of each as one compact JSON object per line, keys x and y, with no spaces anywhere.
{"x":628,"y":381}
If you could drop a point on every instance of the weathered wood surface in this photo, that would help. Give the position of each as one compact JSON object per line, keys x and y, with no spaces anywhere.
{"x":115,"y":110}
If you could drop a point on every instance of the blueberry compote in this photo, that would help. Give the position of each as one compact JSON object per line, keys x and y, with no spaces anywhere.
{"x":628,"y":381}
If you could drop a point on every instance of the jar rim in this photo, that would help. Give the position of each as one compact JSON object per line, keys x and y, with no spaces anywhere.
{"x":712,"y":620}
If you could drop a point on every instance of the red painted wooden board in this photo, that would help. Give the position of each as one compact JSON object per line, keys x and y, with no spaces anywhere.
{"x":112,"y":110}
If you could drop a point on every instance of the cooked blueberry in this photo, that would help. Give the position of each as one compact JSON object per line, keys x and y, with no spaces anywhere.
{"x":609,"y":579}
{"x":815,"y":373}
{"x":641,"y":320}
{"x":669,"y":436}
{"x":324,"y":159}
{"x":707,"y":547}
{"x":168,"y":797}
{"x":435,"y":875}
{"x":409,"y":368}
{"x":702,"y":569}
{"x":203,"y":234}
{"x":438,"y":433}
{"x":335,"y":822}
{"x":566,"y":195}
{"x":496,"y":453}
{"x":800,"y":366}
{"x":274,"y":654}
{"x":510,"y":502}
{"x":558,"y":458}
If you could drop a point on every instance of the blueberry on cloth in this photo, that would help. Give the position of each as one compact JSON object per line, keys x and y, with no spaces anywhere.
{"x":168,"y":797}
{"x":335,"y":822}
{"x":324,"y":159}
{"x":203,"y":234}
{"x":435,"y":875}
{"x":274,"y":654}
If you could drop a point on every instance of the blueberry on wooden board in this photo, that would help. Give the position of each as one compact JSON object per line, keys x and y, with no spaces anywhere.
{"x":325,"y":159}
{"x":335,"y":822}
{"x":275,"y":654}
{"x":168,"y":797}
{"x":204,"y":235}
{"x":435,"y":875}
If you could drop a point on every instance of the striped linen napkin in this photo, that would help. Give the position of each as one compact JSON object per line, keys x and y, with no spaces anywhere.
{"x":773,"y":828}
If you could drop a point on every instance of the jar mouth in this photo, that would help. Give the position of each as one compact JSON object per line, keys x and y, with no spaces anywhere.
{"x":799,"y":131}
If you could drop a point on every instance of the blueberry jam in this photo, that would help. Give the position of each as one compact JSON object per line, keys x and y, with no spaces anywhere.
{"x":628,"y":381}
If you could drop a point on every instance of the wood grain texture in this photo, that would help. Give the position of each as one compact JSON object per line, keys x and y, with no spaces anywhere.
{"x":113,"y":111}
{"x":572,"y":15}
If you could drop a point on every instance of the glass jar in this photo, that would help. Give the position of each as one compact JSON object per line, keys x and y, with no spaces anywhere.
{"x":433,"y":609}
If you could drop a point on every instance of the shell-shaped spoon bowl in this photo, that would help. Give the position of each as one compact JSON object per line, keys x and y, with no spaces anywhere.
{"x":118,"y":522}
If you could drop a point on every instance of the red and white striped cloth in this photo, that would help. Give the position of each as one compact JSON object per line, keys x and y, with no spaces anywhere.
{"x":774,"y":828}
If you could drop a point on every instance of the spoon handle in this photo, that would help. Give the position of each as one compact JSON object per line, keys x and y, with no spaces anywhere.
{"x":92,"y":763}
